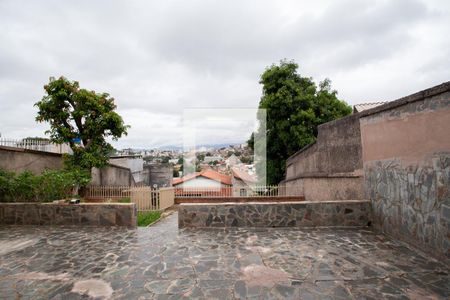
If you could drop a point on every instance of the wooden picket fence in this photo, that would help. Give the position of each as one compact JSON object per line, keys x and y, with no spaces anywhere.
{"x":259,"y":191}
{"x":146,"y":198}
{"x":107,"y":192}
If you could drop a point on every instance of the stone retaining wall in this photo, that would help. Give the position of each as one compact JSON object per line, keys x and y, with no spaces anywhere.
{"x":87,"y":214}
{"x":275,"y":214}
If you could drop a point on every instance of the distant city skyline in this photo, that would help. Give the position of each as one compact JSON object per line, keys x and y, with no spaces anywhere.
{"x":158,"y":58}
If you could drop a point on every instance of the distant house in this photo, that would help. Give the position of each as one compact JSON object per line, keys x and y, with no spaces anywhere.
{"x":205,"y":178}
{"x":242,"y":182}
{"x":209,"y":159}
{"x":206,"y":182}
{"x":173,"y":161}
{"x":232,"y":161}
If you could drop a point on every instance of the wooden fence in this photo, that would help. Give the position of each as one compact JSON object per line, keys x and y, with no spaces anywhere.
{"x":148,"y":198}
{"x":235,"y":191}
{"x":145,"y":197}
{"x":107,"y":192}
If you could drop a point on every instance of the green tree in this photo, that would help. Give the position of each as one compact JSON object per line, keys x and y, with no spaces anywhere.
{"x":295,"y":106}
{"x":200,"y":156}
{"x":82,"y":118}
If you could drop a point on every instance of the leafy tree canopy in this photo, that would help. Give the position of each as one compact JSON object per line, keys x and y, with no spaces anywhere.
{"x":295,"y":106}
{"x":82,"y":118}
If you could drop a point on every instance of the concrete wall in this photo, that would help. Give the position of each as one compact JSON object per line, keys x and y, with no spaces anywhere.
{"x":336,"y":143}
{"x":112,"y":175}
{"x":406,"y":157}
{"x":92,"y":214}
{"x":19,"y":160}
{"x":158,"y":174}
{"x":284,"y":214}
{"x":135,"y":164}
{"x":331,"y":168}
{"x":328,"y":187}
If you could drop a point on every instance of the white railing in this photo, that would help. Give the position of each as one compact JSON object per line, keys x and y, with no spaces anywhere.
{"x":38,"y":145}
{"x":237,"y":191}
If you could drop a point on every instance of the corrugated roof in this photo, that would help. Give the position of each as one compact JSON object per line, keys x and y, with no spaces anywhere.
{"x":365,"y":106}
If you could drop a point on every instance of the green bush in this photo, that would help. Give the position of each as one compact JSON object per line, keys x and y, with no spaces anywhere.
{"x":148,"y":217}
{"x":50,"y":185}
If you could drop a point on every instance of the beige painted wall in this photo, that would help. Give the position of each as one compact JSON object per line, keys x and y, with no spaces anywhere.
{"x":411,"y":137}
{"x":328,"y":188}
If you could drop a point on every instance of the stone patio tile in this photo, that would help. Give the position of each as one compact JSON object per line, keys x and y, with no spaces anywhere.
{"x":162,"y":262}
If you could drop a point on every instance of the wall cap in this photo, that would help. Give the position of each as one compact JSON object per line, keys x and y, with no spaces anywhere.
{"x":274,"y":203}
{"x":14,"y":149}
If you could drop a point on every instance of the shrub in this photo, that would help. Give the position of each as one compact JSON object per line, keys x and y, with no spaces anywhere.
{"x":148,"y":217}
{"x":50,"y":185}
{"x":6,"y":185}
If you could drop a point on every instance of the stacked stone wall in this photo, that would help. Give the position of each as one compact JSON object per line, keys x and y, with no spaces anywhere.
{"x":91,"y":214}
{"x":287,"y":214}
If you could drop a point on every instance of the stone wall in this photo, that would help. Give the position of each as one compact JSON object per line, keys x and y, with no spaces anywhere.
{"x":331,"y":168}
{"x":19,"y":160}
{"x":284,"y":214}
{"x":91,"y":214}
{"x":406,"y":155}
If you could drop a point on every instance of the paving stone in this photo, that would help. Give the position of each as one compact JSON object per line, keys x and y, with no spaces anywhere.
{"x":162,"y":262}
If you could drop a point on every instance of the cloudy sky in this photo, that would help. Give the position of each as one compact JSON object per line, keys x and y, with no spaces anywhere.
{"x":157,"y":58}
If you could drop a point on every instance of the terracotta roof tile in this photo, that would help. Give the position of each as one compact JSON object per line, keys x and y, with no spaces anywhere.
{"x":243,"y":176}
{"x":208,"y":173}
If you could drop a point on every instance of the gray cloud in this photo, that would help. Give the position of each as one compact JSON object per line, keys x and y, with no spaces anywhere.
{"x":159,"y":57}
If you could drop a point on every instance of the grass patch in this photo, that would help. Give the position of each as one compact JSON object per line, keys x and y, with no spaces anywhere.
{"x":124,"y":200}
{"x":148,"y":217}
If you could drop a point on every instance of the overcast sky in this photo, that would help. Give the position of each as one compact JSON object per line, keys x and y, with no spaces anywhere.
{"x":157,"y":58}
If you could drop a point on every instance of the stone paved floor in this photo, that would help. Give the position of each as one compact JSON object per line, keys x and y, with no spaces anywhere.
{"x":163,"y":263}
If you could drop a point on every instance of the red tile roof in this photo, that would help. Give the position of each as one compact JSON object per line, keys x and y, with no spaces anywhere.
{"x":243,"y":176}
{"x":187,"y":177}
{"x":208,"y":173}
